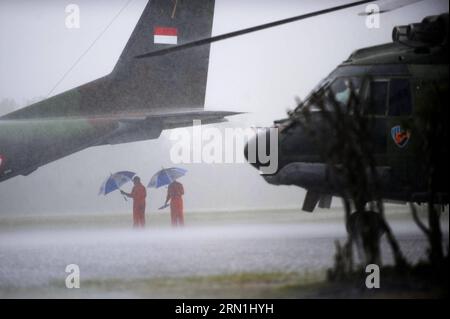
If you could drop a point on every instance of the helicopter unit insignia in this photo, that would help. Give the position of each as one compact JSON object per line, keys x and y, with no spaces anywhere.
{"x":400,"y":136}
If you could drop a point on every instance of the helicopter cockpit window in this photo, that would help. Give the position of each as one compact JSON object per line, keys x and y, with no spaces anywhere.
{"x":341,"y":89}
{"x":399,"y":97}
{"x":378,"y":97}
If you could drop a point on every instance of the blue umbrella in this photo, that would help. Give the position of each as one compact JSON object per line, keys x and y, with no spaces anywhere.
{"x":115,"y":181}
{"x":166,"y":176}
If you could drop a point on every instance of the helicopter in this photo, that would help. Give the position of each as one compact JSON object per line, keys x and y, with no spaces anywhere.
{"x":397,"y":84}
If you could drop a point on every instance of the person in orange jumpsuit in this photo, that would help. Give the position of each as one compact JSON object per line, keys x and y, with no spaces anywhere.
{"x":138,"y":193}
{"x":175,"y":194}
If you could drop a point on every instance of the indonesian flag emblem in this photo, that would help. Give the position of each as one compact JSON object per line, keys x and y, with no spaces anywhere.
{"x":164,"y":35}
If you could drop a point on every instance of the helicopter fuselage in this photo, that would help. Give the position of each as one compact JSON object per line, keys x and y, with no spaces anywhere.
{"x":397,"y":86}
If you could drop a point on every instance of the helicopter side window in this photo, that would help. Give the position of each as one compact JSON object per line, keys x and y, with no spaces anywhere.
{"x":378,"y":97}
{"x":399,"y":97}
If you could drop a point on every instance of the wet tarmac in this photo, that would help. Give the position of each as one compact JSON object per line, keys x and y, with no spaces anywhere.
{"x":37,"y":258}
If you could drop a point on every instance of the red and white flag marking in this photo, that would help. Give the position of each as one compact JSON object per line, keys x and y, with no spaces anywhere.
{"x":164,"y":35}
{"x":2,"y":159}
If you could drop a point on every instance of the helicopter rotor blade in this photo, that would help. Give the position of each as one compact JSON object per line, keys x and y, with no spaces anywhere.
{"x":387,"y":6}
{"x":250,"y":30}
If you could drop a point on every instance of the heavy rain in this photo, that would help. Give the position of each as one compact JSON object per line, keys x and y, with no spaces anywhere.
{"x":243,"y":237}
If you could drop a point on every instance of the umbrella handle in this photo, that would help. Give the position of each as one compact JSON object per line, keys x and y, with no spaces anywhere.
{"x":124,"y":197}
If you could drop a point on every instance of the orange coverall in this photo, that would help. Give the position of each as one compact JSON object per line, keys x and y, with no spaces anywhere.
{"x":138,"y":193}
{"x":175,"y":193}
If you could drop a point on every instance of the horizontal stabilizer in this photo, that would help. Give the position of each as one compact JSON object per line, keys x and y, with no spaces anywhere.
{"x":140,"y":127}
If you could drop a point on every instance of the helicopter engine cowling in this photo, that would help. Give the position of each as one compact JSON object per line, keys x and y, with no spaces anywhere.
{"x":432,"y":31}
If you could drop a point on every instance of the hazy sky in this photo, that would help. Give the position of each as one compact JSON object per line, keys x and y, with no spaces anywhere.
{"x":259,"y":73}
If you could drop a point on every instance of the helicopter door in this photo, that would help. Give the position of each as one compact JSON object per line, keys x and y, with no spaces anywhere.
{"x":377,"y":110}
{"x":399,"y":128}
{"x":399,"y":115}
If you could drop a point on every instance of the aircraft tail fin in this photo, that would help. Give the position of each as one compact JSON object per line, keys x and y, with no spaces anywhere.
{"x":173,"y":81}
{"x":166,"y":84}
